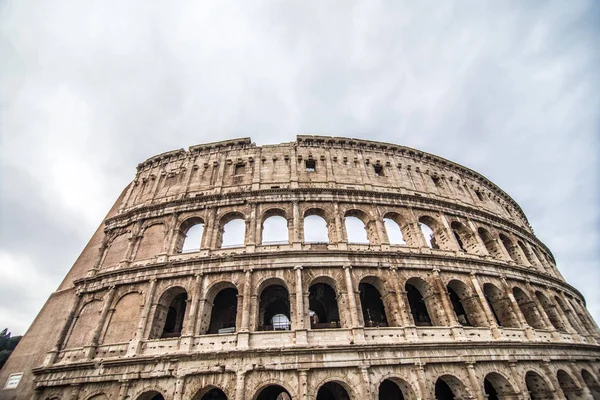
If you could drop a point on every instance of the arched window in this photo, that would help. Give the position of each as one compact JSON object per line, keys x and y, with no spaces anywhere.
{"x":567,"y":385}
{"x":427,"y":224}
{"x":169,"y":314}
{"x":153,"y":395}
{"x":497,"y":387}
{"x":323,"y":307}
{"x":234,"y":232}
{"x":528,"y":254}
{"x":459,"y":310}
{"x":393,"y":231}
{"x":500,"y":306}
{"x":418,"y":308}
{"x":510,"y":248}
{"x":372,"y":305}
{"x":224,"y":312}
{"x":274,"y":309}
{"x":591,"y":383}
{"x":464,"y":237}
{"x":490,"y":244}
{"x":395,"y":389}
{"x":448,"y":387}
{"x":356,"y":230}
{"x":315,"y":227}
{"x":332,"y":391}
{"x":275,"y":230}
{"x":273,"y":392}
{"x":528,"y":309}
{"x":550,"y":311}
{"x":192,"y":235}
{"x":466,"y":306}
{"x":537,"y":387}
{"x":568,"y":314}
{"x":211,"y":394}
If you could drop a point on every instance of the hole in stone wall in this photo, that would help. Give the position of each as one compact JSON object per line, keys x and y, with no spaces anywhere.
{"x":311,"y":165}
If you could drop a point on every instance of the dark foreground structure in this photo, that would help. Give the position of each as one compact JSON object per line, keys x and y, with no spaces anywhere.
{"x":326,"y":268}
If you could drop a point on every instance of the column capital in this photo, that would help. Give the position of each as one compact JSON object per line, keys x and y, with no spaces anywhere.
{"x":347,"y":267}
{"x":298,"y":267}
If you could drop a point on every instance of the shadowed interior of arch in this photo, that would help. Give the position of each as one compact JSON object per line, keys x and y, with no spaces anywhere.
{"x":273,"y":392}
{"x":274,"y":308}
{"x":153,"y":395}
{"x":372,"y":306}
{"x":169,"y":314}
{"x":390,"y":390}
{"x":537,"y":387}
{"x":332,"y":391}
{"x":224,"y":311}
{"x":418,"y":308}
{"x":211,"y":394}
{"x":323,"y":307}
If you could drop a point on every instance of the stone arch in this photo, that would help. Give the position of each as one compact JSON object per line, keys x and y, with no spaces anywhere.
{"x":528,"y":254}
{"x":429,"y":228}
{"x":221,"y":309}
{"x":323,"y":305}
{"x":151,"y":395}
{"x":528,"y":308}
{"x":583,"y":316}
{"x":211,"y":392}
{"x":232,"y":230}
{"x":190,"y":235}
{"x":568,"y":386}
{"x":400,"y":223}
{"x":274,"y":222}
{"x":449,"y":387}
{"x":376,"y":307}
{"x":84,"y":326}
{"x":497,"y":386}
{"x":510,"y":248}
{"x":334,"y":390}
{"x":550,"y":310}
{"x":466,"y":305}
{"x":422,"y":302}
{"x":464,"y":237}
{"x":272,"y":391}
{"x":538,"y":386}
{"x":491,"y":245}
{"x":116,"y":249}
{"x":370,"y":234}
{"x":97,"y":396}
{"x":500,"y":306}
{"x":123,"y":320}
{"x":151,"y":241}
{"x":273,"y":305}
{"x":392,"y":387}
{"x":319,"y":228}
{"x":591,"y":383}
{"x":169,"y":313}
{"x":568,"y":314}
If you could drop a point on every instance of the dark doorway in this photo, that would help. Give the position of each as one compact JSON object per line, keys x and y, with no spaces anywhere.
{"x":332,"y":391}
{"x":372,"y":306}
{"x":388,"y":390}
{"x":224,"y":312}
{"x":274,"y":392}
{"x":443,"y":391}
{"x":323,"y":306}
{"x":175,"y":314}
{"x":418,"y":309}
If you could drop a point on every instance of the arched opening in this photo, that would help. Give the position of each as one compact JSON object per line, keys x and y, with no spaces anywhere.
{"x":332,"y":391}
{"x":591,"y":383}
{"x":372,"y":306}
{"x":323,"y":307}
{"x":275,"y":230}
{"x":448,"y":387}
{"x":415,"y":290}
{"x":426,"y":225}
{"x":568,"y":314}
{"x":169,"y":314}
{"x":274,"y":309}
{"x":537,"y":387}
{"x":153,"y":395}
{"x":528,"y":309}
{"x":550,"y":310}
{"x":490,"y":244}
{"x":189,"y":236}
{"x":500,"y":305}
{"x":356,"y":230}
{"x":315,"y":227}
{"x":210,"y":393}
{"x":510,"y":248}
{"x":568,"y":386}
{"x":273,"y":392}
{"x":466,"y":306}
{"x":224,"y":312}
{"x":393,"y":232}
{"x":528,"y":254}
{"x":497,"y":387}
{"x":233,"y":231}
{"x":464,"y":237}
{"x":395,"y":389}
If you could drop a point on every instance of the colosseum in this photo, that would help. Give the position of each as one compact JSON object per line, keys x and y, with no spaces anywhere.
{"x":326,"y":268}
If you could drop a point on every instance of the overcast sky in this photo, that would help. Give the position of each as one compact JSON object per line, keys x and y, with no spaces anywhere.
{"x":91,"y":88}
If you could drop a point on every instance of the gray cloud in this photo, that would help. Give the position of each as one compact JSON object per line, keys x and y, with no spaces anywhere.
{"x":89,"y":89}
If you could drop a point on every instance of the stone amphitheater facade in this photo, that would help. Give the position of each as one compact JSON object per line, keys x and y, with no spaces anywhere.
{"x":475,"y":308}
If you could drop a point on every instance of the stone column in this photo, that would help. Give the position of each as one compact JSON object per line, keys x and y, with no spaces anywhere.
{"x":240,"y":385}
{"x":476,"y":388}
{"x":379,"y":226}
{"x":300,"y":328}
{"x":303,"y":384}
{"x":123,"y":390}
{"x":296,"y":239}
{"x":418,"y":234}
{"x":341,"y":236}
{"x":368,"y":390}
{"x":90,"y":350}
{"x":576,"y":372}
{"x":253,"y":233}
{"x":555,"y":386}
{"x":422,"y":379}
{"x":209,"y":228}
{"x":457,"y":329}
{"x":517,"y":310}
{"x":293,"y":168}
{"x":357,"y":330}
{"x":179,"y":387}
{"x":485,"y":305}
{"x":134,"y":345}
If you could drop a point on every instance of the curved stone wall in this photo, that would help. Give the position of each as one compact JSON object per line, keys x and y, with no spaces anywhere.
{"x":473,"y":307}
